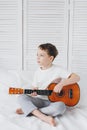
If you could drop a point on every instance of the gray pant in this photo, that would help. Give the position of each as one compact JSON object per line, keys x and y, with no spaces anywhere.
{"x":28,"y":104}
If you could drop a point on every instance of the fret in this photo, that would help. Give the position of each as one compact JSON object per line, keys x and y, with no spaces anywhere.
{"x":28,"y":91}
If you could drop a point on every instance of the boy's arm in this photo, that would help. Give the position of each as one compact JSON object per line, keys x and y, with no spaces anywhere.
{"x":73,"y":78}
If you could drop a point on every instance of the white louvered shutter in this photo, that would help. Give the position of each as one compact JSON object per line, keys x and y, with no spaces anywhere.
{"x":79,"y":37}
{"x":11,"y":34}
{"x":45,"y":21}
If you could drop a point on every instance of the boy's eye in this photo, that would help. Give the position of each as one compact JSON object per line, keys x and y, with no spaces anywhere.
{"x":41,"y":55}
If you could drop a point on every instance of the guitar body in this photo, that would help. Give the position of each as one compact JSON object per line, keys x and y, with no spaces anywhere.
{"x":70,"y":94}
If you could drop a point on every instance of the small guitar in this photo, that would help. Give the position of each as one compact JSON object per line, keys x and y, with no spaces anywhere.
{"x":70,"y":94}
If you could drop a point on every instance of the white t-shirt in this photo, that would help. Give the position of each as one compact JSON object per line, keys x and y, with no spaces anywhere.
{"x":43,"y":78}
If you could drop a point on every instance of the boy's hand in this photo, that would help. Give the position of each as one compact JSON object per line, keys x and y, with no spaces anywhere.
{"x":58,"y":88}
{"x":34,"y":93}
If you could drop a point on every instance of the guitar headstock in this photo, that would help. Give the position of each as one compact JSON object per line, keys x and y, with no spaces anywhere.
{"x":16,"y":91}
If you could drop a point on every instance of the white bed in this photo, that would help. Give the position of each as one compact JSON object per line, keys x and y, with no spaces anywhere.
{"x":75,"y":118}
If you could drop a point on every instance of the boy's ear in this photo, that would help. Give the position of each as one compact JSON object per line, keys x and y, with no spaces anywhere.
{"x":52,"y":58}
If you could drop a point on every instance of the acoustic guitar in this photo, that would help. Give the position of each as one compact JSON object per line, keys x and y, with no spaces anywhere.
{"x":70,"y":94}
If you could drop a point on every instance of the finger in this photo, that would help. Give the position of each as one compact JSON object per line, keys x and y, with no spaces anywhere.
{"x":34,"y":93}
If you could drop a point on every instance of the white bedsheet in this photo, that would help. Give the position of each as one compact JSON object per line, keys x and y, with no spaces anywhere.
{"x":74,"y":118}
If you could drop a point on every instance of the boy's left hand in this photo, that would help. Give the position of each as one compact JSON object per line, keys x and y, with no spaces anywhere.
{"x":58,"y":88}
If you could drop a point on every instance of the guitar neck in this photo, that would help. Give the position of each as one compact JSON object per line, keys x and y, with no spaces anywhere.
{"x":29,"y":91}
{"x":39,"y":92}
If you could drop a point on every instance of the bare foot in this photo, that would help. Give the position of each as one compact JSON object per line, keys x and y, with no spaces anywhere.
{"x":19,"y":111}
{"x":50,"y":120}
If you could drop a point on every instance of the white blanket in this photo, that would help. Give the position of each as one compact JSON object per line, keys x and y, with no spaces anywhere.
{"x":75,"y":118}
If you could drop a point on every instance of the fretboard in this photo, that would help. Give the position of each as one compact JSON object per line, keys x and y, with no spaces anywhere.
{"x":39,"y":92}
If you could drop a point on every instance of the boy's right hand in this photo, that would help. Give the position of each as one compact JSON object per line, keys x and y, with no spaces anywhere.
{"x":34,"y":93}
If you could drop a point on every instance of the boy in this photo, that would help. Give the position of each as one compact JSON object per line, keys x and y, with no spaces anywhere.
{"x":47,"y":73}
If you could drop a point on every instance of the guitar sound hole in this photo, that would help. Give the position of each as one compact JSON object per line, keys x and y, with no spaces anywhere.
{"x":60,"y":94}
